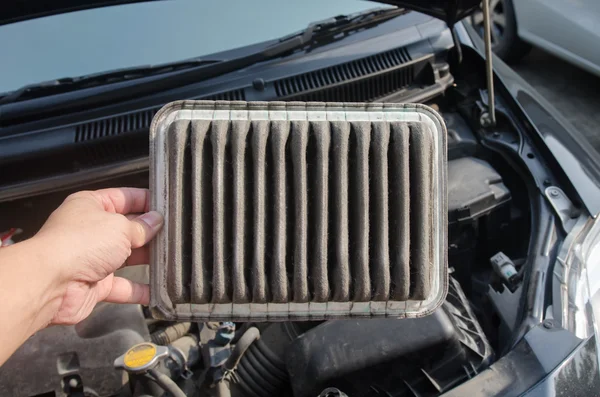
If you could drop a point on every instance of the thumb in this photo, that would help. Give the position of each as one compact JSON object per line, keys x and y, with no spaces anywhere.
{"x":144,"y":228}
{"x":126,"y":291}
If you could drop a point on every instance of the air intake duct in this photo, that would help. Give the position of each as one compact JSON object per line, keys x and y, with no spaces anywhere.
{"x":293,"y":211}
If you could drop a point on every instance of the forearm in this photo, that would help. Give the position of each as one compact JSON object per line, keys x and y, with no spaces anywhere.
{"x":29,"y":293}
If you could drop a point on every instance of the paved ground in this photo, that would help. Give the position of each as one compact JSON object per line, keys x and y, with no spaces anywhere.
{"x":574,"y":92}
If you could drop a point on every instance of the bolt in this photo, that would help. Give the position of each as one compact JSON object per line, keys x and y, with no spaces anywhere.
{"x":496,"y":134}
{"x":547,"y":324}
{"x":73,"y":383}
{"x":485,"y":120}
{"x":259,"y":84}
{"x":553,"y":192}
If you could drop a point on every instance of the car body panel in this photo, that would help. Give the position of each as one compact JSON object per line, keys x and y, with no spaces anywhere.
{"x":567,"y":29}
{"x":579,"y":161}
{"x":577,"y":376}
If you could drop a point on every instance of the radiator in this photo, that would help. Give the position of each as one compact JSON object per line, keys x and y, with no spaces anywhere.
{"x":292,"y":211}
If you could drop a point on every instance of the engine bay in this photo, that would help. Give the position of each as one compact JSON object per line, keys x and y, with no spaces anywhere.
{"x":489,"y":222}
{"x":423,"y":356}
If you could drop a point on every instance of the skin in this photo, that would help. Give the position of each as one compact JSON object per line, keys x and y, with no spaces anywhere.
{"x":59,"y":275}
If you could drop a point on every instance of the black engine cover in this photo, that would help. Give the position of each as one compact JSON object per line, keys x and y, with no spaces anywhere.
{"x":422,"y":356}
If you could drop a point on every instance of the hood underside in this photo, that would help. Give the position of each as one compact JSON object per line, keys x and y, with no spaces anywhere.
{"x":450,"y":11}
{"x":14,"y":11}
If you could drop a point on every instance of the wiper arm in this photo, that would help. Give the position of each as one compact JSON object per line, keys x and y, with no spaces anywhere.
{"x":176,"y":74}
{"x":313,"y":34}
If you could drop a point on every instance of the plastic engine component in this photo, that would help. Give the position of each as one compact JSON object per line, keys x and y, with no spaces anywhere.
{"x":261,"y":371}
{"x":461,"y":141}
{"x":414,"y":357}
{"x":296,"y":210}
{"x":478,"y":207}
{"x":474,"y":189}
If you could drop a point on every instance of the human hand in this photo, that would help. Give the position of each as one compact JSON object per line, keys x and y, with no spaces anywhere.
{"x":90,"y":236}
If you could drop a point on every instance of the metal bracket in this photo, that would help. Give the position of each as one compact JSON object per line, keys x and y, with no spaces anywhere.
{"x":563,"y":207}
{"x":489,"y":119}
{"x":180,"y":359}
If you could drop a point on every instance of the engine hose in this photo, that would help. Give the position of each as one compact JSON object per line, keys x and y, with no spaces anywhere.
{"x":239,"y":331}
{"x":166,"y":383}
{"x":260,"y":373}
{"x":251,"y":335}
{"x":223,"y":390}
{"x":170,"y":334}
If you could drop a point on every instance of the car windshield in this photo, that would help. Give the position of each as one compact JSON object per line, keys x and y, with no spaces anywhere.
{"x":151,"y":33}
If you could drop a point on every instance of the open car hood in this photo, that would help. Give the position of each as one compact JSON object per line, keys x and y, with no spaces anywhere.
{"x":450,"y":11}
{"x":14,"y":11}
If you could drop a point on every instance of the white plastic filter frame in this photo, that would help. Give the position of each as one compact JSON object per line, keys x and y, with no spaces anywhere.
{"x":161,"y":305}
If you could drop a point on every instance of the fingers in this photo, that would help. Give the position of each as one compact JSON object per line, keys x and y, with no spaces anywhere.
{"x":143,"y":228}
{"x":126,"y":291}
{"x":139,"y":256}
{"x":130,"y":201}
{"x":124,"y":200}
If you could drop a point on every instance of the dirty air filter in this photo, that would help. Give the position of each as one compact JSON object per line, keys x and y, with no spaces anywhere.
{"x":277,"y":211}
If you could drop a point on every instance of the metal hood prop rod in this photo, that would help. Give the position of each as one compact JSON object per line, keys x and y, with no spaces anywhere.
{"x":490,"y":120}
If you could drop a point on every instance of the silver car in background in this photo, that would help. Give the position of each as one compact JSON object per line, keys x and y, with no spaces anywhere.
{"x":568,"y":29}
